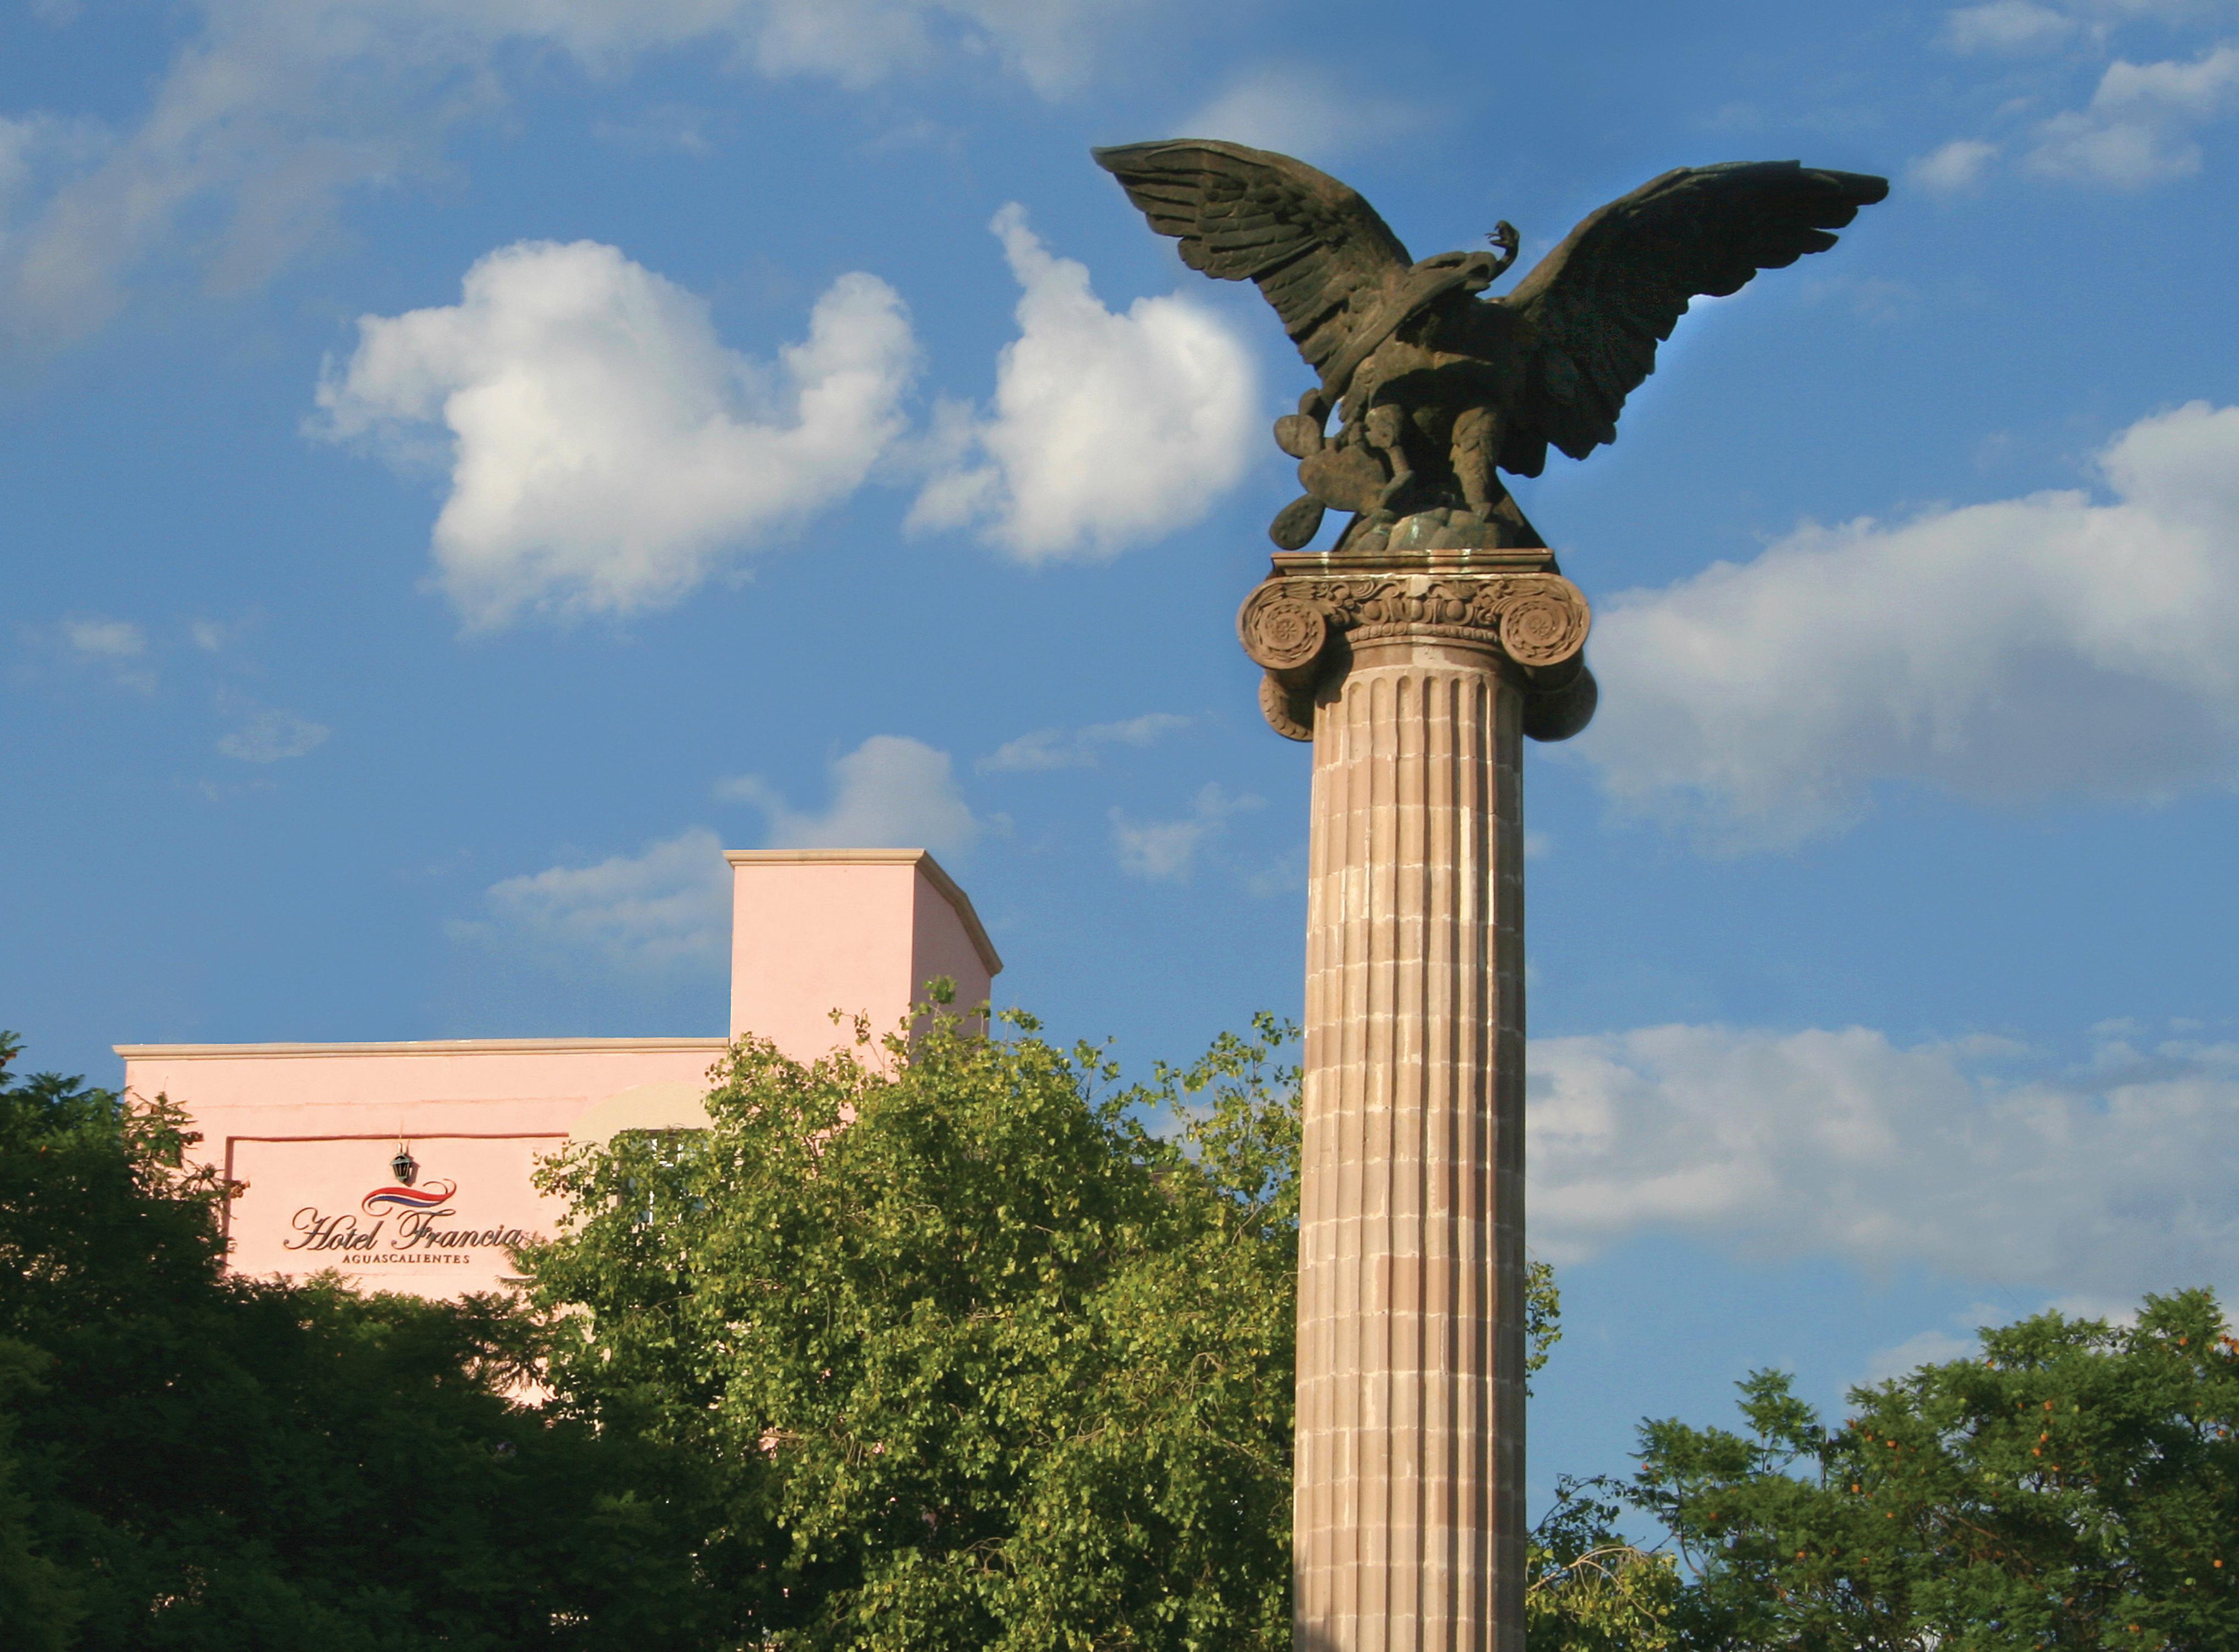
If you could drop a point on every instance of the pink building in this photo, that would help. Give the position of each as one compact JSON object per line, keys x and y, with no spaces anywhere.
{"x":408,"y":1166}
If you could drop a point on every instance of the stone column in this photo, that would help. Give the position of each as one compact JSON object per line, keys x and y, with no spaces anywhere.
{"x":1416,"y":677}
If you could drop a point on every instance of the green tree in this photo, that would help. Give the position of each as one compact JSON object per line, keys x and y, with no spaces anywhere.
{"x":34,"y":1602}
{"x":981,"y":1359}
{"x":1588,"y":1588}
{"x":189,"y":1461}
{"x":2076,"y":1486}
{"x":989,"y":1363}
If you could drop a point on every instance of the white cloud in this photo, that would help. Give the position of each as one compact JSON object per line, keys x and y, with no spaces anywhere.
{"x":609,"y":452}
{"x":1285,"y":875}
{"x":274,"y":111}
{"x":106,"y":639}
{"x":2141,"y":126}
{"x":889,"y":792}
{"x":679,"y":127}
{"x":663,"y":912}
{"x":1301,"y":110}
{"x":114,"y":648}
{"x":216,"y":636}
{"x":1050,"y":45}
{"x":258,"y":125}
{"x":1979,"y":1160}
{"x":1166,"y":851}
{"x":1958,"y":165}
{"x":1923,"y":1348}
{"x":1108,"y":430}
{"x":37,"y":149}
{"x":2022,"y":649}
{"x":1055,"y":748}
{"x":2138,"y":128}
{"x":266,"y":736}
{"x":17,"y":138}
{"x":2007,"y":26}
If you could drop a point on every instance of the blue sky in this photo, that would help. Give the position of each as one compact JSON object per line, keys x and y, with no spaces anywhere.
{"x":465,"y":462}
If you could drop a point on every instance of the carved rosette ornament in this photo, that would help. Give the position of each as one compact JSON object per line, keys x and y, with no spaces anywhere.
{"x":1300,"y":623}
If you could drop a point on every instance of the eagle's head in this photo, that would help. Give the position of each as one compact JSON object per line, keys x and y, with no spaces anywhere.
{"x":1472,"y":272}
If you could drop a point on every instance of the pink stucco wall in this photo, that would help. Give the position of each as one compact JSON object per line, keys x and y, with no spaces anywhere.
{"x":858,"y":931}
{"x":311,"y":1128}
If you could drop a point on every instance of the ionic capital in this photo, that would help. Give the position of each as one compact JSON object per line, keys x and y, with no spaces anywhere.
{"x":1300,"y":623}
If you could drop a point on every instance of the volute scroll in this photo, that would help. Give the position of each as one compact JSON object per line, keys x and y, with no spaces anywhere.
{"x":1295,"y":623}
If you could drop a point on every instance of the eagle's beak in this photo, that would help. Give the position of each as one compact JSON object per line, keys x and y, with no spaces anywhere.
{"x":1504,"y":237}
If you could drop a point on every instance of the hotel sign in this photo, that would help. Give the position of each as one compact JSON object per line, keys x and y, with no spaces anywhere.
{"x":399,"y":1226}
{"x":338,"y":1202}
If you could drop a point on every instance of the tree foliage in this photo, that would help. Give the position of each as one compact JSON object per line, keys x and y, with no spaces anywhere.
{"x":984,"y":1360}
{"x":2077,"y":1486}
{"x":947,"y":1348}
{"x":1588,"y":1588}
{"x":189,"y":1461}
{"x":989,"y":1362}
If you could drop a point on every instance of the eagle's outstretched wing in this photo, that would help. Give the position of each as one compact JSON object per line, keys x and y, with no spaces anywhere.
{"x":1595,"y":307}
{"x":1319,"y":251}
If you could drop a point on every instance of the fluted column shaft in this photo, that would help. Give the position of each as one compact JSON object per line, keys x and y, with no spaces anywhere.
{"x":1415,"y":672}
{"x":1410,"y":1473}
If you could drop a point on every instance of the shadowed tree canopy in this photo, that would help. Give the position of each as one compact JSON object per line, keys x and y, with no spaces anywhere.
{"x":191,"y":1463}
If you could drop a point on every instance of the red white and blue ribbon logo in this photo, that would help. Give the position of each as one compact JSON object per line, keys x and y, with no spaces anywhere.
{"x":408,"y":1199}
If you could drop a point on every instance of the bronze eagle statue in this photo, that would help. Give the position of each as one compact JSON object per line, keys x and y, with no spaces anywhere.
{"x":1438,"y":388}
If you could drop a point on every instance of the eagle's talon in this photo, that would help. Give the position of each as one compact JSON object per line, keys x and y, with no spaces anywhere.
{"x":1298,"y":435}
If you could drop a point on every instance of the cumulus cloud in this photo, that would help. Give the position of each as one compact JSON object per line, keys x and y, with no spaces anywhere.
{"x":1055,"y":748}
{"x":1979,"y":1160}
{"x":889,"y":792}
{"x":14,"y":140}
{"x":1958,"y":165}
{"x":268,"y":736}
{"x":2033,"y":27}
{"x":2138,"y":128}
{"x":272,"y":112}
{"x":38,"y":149}
{"x":258,"y":125}
{"x":1300,"y":109}
{"x":1284,"y":875}
{"x":1927,"y":1348}
{"x":2007,"y":26}
{"x":664,"y":912}
{"x":1166,"y":851}
{"x":1108,"y":430}
{"x":2031,"y":648}
{"x":607,"y":452}
{"x":216,"y":636}
{"x":106,"y":639}
{"x":2141,"y":123}
{"x":114,"y":648}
